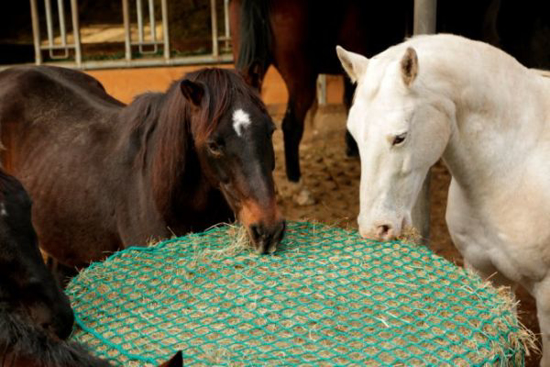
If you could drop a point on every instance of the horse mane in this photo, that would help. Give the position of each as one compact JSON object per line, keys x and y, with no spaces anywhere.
{"x":178,"y":125}
{"x":255,"y":35}
{"x":21,"y":341}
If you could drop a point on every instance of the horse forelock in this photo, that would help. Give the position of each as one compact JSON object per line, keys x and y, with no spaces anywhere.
{"x":224,"y":89}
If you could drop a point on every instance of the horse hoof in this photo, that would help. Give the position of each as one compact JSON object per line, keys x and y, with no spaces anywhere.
{"x":304,"y":197}
{"x":297,"y":192}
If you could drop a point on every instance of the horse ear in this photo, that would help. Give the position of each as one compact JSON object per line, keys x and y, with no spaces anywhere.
{"x":409,"y":66}
{"x":253,"y":76}
{"x":354,"y":64}
{"x":175,"y":361}
{"x":192,"y":91}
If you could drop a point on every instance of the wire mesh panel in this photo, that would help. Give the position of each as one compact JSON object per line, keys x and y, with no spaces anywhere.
{"x":326,"y":297}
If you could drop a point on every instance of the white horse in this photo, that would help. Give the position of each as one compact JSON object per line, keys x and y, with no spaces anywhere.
{"x":488,"y":117}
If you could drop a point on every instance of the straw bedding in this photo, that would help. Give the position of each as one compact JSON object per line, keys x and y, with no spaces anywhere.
{"x":326,"y":297}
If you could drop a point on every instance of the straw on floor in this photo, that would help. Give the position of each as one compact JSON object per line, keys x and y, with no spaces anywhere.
{"x":326,"y":297}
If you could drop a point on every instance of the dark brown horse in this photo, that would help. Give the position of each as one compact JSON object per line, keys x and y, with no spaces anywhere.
{"x":105,"y":176}
{"x":299,"y":38}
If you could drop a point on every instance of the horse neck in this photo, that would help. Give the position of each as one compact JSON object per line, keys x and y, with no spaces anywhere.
{"x":498,"y":114}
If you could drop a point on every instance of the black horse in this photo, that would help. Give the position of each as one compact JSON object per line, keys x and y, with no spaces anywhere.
{"x":35,"y":314}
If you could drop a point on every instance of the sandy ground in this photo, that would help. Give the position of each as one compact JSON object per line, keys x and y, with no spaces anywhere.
{"x":332,"y":178}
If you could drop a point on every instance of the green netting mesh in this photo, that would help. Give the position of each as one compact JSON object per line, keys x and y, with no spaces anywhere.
{"x":326,"y":297}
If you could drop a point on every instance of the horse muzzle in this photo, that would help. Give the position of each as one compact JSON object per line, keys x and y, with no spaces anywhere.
{"x":265,"y":238}
{"x":57,"y":323}
{"x":381,"y":230}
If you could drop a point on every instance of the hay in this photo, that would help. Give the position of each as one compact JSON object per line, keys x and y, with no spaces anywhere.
{"x":327,"y":297}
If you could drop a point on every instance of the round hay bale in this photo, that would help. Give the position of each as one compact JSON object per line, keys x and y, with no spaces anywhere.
{"x":326,"y":297}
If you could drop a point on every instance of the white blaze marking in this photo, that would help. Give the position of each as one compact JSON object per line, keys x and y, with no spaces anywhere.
{"x":3,"y":211}
{"x":241,"y":120}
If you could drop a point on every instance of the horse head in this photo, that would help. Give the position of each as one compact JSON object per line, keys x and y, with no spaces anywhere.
{"x":401,"y":129}
{"x":26,"y":286}
{"x":231,"y":134}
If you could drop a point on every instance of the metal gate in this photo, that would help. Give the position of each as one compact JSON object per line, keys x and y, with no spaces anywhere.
{"x":60,"y":50}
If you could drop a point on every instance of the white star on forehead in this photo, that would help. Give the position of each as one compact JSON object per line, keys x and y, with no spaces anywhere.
{"x":241,"y":120}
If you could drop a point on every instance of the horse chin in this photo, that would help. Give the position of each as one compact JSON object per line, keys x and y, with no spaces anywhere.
{"x":58,"y":327}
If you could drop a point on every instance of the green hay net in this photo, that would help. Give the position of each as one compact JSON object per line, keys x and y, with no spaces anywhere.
{"x":326,"y":297}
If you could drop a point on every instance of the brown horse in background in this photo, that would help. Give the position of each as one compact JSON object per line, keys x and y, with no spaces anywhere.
{"x":105,"y":176}
{"x":299,"y":38}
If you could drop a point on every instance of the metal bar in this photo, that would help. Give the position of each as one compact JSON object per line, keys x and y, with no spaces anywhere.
{"x":76,"y":33}
{"x":142,"y":41}
{"x":49,"y":23}
{"x":59,"y":47}
{"x":166,"y":36}
{"x":139,"y":13}
{"x":147,"y":43}
{"x":152,"y":21}
{"x":214,"y":18}
{"x":127,"y":37}
{"x":61,"y":10}
{"x":140,"y":63}
{"x":322,"y":89}
{"x":52,"y":45}
{"x":227,"y":37}
{"x":425,"y":16}
{"x":36,"y":33}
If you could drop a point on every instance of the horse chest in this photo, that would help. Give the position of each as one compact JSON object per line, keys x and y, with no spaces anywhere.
{"x":498,"y":238}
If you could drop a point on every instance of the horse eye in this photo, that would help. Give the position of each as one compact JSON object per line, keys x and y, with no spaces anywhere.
{"x":398,"y":139}
{"x":214,"y":148}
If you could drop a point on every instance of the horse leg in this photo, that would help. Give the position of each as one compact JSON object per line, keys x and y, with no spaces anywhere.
{"x":351,"y":145}
{"x":542,"y":296}
{"x":300,"y":100}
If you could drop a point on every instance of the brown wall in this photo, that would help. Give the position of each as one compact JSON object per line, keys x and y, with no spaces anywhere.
{"x":125,"y":84}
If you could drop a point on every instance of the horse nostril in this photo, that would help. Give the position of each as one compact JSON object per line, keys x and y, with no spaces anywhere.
{"x":266,"y":237}
{"x":255,"y":232}
{"x":384,"y":231}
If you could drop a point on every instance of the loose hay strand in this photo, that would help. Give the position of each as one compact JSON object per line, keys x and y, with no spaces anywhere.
{"x":327,"y":296}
